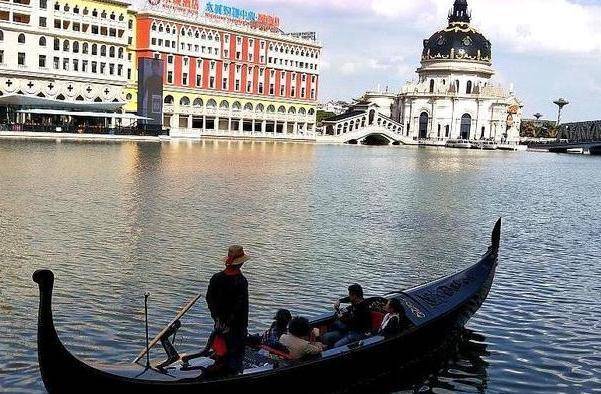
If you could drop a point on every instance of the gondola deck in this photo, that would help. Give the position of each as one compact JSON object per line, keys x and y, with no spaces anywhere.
{"x":434,"y":309}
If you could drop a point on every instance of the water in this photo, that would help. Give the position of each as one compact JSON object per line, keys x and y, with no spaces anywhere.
{"x":116,"y":220}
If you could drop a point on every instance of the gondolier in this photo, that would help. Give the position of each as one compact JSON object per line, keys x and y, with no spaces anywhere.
{"x":227,"y":298}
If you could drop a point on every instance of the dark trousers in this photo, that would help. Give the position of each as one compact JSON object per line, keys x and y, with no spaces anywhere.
{"x":236,"y":345}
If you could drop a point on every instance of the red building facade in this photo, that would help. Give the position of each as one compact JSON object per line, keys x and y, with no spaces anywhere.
{"x":221,"y":77}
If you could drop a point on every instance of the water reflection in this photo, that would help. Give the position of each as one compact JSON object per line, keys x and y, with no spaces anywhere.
{"x":115,"y":220}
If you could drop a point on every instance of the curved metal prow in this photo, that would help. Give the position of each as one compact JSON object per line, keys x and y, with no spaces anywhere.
{"x":496,"y":235}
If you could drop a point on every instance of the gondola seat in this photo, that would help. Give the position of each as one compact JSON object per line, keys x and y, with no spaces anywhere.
{"x":376,"y":321}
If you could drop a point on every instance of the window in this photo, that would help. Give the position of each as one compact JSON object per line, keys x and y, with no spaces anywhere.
{"x":198,"y":80}
{"x":65,"y":64}
{"x":56,"y":63}
{"x":1,"y":56}
{"x":42,"y":41}
{"x":21,"y":58}
{"x":94,"y":49}
{"x":84,"y":48}
{"x":212,"y":82}
{"x":170,"y":59}
{"x":84,"y":66}
{"x":260,"y":87}
{"x":468,"y":88}
{"x":431,"y":86}
{"x":75,"y":65}
{"x":42,"y":21}
{"x":169,"y":76}
{"x":43,"y":4}
{"x":1,"y":35}
{"x":66,"y":46}
{"x":224,"y":86}
{"x":21,"y":38}
{"x":75,"y":47}
{"x":94,"y":67}
{"x":184,"y":78}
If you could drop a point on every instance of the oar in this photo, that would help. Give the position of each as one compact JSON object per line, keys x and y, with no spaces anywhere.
{"x":156,"y":339}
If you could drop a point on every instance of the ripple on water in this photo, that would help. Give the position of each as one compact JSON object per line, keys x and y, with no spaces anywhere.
{"x":116,"y":220}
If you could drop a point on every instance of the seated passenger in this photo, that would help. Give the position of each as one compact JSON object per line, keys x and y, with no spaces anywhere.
{"x":297,"y":340}
{"x":279,"y":327}
{"x":354,"y":324}
{"x":391,"y":325}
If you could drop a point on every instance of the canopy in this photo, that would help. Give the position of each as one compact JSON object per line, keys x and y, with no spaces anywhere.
{"x":23,"y":101}
{"x":83,"y":114}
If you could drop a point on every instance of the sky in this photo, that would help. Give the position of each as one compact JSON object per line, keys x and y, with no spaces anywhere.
{"x":546,"y":48}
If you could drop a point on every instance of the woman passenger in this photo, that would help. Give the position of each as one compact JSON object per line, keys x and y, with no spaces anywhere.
{"x":279,"y":327}
{"x":391,"y":325}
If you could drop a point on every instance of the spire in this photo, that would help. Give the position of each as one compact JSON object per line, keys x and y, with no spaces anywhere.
{"x":460,"y":12}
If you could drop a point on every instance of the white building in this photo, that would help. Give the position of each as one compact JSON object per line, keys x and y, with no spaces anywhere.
{"x":65,"y":54}
{"x":453,"y":97}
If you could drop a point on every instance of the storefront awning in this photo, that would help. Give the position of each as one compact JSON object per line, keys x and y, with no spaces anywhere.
{"x":82,"y":114}
{"x":23,"y":102}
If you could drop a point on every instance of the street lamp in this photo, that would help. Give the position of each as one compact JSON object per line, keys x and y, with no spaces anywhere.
{"x":560,"y":104}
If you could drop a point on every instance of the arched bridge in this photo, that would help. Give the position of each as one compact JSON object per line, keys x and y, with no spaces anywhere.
{"x":378,"y":134}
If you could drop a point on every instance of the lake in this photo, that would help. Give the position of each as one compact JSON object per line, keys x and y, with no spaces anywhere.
{"x":114,"y":220}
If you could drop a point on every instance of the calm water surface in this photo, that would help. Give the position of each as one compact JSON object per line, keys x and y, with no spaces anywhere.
{"x":116,"y":220}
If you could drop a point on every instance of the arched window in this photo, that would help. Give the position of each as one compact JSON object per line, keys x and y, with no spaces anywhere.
{"x":75,"y":47}
{"x":120,"y":53}
{"x":248,"y":107}
{"x":302,"y":111}
{"x":236,"y":106}
{"x":282,"y":109}
{"x":447,"y":131}
{"x":21,"y":38}
{"x":184,"y":101}
{"x":311,"y":111}
{"x":1,"y":35}
{"x":260,"y":108}
{"x":103,"y":50}
{"x":468,"y":88}
{"x":94,"y":49}
{"x":112,"y":52}
{"x":84,"y":48}
{"x":154,"y":26}
{"x":66,"y":45}
{"x":423,"y":125}
{"x":270,"y":109}
{"x":212,"y":104}
{"x":197,"y":102}
{"x":292,"y":110}
{"x":466,"y":126}
{"x":97,"y":100}
{"x":79,"y":98}
{"x":60,"y":97}
{"x":224,"y":105}
{"x":168,"y":100}
{"x":42,"y":41}
{"x":457,"y":86}
{"x":431,"y":86}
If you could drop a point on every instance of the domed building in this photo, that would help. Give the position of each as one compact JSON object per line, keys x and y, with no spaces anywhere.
{"x":454,"y":95}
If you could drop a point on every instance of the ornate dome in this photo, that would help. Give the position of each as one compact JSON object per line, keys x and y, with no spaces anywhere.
{"x":459,"y":40}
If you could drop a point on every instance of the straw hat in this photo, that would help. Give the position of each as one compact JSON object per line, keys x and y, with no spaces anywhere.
{"x":235,"y":256}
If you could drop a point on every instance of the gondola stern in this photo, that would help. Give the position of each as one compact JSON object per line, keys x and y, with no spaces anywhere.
{"x":496,"y":235}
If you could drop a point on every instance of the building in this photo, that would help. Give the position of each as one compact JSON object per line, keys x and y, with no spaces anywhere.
{"x":453,"y":97}
{"x":337,"y":107}
{"x":226,"y":71}
{"x":226,"y":76}
{"x":61,"y":56}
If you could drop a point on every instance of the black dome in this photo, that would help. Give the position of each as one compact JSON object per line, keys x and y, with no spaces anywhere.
{"x":459,"y":40}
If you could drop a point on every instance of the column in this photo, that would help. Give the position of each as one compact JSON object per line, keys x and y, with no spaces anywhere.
{"x":295,"y":128}
{"x":189,"y":122}
{"x":216,"y":123}
{"x":253,"y":126}
{"x":229,"y":125}
{"x":264,"y":127}
{"x":241,"y":125}
{"x":204,"y":123}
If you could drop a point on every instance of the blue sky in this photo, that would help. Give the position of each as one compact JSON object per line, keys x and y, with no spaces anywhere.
{"x":546,"y":48}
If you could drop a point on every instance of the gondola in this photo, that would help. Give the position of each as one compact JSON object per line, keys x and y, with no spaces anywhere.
{"x":433,"y":310}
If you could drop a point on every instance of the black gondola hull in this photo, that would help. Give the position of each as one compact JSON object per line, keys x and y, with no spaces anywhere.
{"x":437,"y":310}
